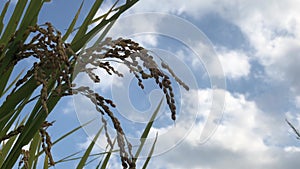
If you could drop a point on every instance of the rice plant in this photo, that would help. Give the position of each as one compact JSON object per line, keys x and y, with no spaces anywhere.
{"x":52,"y":74}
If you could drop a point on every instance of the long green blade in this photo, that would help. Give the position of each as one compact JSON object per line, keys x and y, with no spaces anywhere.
{"x":107,"y":157}
{"x":8,"y":106}
{"x":72,"y":25}
{"x":87,"y":153}
{"x":16,"y":113}
{"x":7,"y":146}
{"x":34,"y":147}
{"x":4,"y":79}
{"x":12,"y":83}
{"x":68,"y":158}
{"x":66,"y":135}
{"x":30,"y":18}
{"x":46,"y":166}
{"x":147,"y":130}
{"x":5,"y":149}
{"x":29,"y":131}
{"x":150,"y":154}
{"x":72,"y":131}
{"x":83,"y":28}
{"x":4,"y":10}
{"x":76,"y":45}
{"x":13,"y":22}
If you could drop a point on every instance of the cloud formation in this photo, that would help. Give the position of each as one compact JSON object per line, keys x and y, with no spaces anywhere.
{"x":239,"y":141}
{"x":249,"y":136}
{"x":235,"y":64}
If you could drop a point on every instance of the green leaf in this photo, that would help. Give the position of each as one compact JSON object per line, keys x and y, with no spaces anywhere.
{"x":33,"y":148}
{"x":78,"y":44}
{"x":8,"y":106}
{"x":66,"y":135}
{"x":13,"y":22}
{"x":150,"y":153}
{"x":29,"y":19}
{"x":12,"y":120}
{"x":46,"y":166}
{"x":83,"y":28}
{"x":104,"y":16}
{"x":71,"y":27}
{"x":147,"y":130}
{"x":107,"y":157}
{"x":108,"y":27}
{"x":6,"y":148}
{"x":32,"y":125}
{"x":72,"y":131}
{"x":4,"y":10}
{"x":68,"y":158}
{"x":4,"y":79}
{"x":83,"y":160}
{"x":12,"y":83}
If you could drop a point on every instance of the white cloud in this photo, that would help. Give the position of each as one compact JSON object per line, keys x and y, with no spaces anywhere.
{"x":292,"y":149}
{"x":297,"y":101}
{"x":193,"y":7}
{"x":247,"y":137}
{"x":272,"y":28}
{"x":235,"y":64}
{"x":138,"y":28}
{"x":239,"y":141}
{"x":69,"y":107}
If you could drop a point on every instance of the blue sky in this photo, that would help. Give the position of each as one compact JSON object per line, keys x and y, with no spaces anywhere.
{"x":257,"y":45}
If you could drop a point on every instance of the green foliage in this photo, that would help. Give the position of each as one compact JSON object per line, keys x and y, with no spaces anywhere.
{"x":14,"y":33}
{"x":53,"y":74}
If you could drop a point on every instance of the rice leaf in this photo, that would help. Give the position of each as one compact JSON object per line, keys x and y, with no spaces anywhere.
{"x":13,"y":22}
{"x":147,"y":130}
{"x":12,"y":120}
{"x":31,"y":127}
{"x":33,"y":149}
{"x":46,"y":162}
{"x":8,"y":106}
{"x":6,"y":147}
{"x":66,"y":135}
{"x":36,"y":159}
{"x":4,"y":79}
{"x":150,"y":153}
{"x":107,"y":157}
{"x":68,"y":158}
{"x":84,"y":26}
{"x":4,"y":10}
{"x":78,"y":44}
{"x":83,"y":160}
{"x":72,"y":25}
{"x":13,"y":82}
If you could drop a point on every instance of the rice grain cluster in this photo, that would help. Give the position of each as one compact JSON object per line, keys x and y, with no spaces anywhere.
{"x":54,"y":71}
